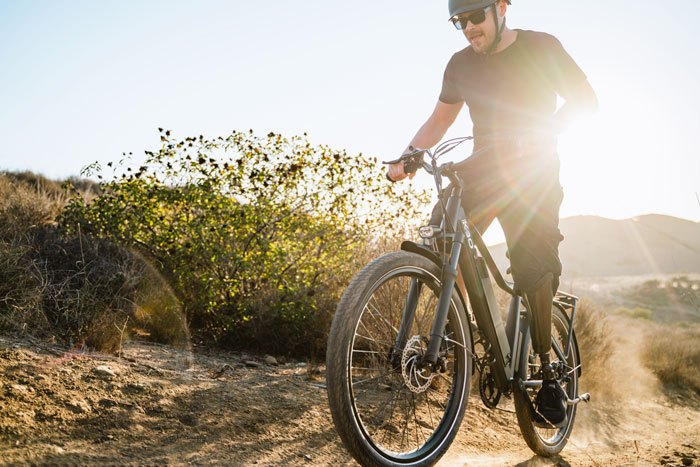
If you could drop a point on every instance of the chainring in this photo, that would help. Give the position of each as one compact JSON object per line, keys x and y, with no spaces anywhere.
{"x":489,"y":392}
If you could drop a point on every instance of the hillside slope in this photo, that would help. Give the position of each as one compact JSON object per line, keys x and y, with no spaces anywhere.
{"x":650,"y":244}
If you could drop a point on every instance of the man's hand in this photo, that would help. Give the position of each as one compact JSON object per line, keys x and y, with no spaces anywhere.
{"x":396,"y":172}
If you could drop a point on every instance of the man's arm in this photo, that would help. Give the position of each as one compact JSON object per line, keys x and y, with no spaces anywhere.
{"x":429,"y":134}
{"x":570,"y":83}
{"x":579,"y":100}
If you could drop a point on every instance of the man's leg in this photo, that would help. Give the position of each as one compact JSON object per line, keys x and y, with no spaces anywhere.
{"x":540,"y":300}
{"x":531,"y":225}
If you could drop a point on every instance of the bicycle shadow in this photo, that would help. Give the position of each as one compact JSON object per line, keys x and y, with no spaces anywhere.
{"x":539,"y":461}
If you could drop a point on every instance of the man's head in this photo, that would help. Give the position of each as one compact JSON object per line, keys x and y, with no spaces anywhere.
{"x":482,"y":21}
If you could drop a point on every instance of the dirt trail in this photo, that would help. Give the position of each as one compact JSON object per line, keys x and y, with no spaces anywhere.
{"x":164,"y":405}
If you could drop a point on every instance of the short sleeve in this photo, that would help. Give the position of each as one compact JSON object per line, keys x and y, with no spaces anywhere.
{"x":450,"y":92}
{"x":565,"y":75}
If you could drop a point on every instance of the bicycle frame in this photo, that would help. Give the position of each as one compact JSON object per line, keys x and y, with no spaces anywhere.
{"x":469,"y":256}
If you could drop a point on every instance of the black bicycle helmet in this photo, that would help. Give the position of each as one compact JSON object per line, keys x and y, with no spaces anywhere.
{"x":457,"y":7}
{"x":462,"y":6}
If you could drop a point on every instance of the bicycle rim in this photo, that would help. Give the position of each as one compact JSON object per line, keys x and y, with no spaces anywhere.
{"x":404,"y":413}
{"x":552,"y":437}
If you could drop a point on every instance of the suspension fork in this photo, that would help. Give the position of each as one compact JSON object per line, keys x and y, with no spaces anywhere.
{"x":409,"y":313}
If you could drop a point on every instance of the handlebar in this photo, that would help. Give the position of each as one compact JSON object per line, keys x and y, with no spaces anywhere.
{"x":414,"y":160}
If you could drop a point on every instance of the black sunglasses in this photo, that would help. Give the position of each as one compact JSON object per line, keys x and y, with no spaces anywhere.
{"x":477,"y":17}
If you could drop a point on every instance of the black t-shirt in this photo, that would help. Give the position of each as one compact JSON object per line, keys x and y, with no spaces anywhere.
{"x":512,"y":91}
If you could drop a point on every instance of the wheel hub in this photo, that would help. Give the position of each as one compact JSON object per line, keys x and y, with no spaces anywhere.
{"x":417,"y":379}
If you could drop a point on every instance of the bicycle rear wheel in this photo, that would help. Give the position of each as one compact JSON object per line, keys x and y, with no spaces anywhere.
{"x":548,"y":441}
{"x":386,"y":409}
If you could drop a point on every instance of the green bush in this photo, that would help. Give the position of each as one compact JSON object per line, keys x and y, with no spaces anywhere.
{"x":636,"y":313}
{"x":256,"y":235}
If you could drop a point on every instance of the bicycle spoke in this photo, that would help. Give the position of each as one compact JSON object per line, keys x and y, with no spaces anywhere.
{"x":375,"y":340}
{"x":438,"y":402}
{"x":430,"y":412}
{"x":391,"y":326}
{"x":397,"y":406}
{"x":369,"y":379}
{"x":415,"y":420}
{"x":557,"y":350}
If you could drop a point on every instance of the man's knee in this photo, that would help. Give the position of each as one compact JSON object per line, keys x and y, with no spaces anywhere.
{"x":531,"y":268}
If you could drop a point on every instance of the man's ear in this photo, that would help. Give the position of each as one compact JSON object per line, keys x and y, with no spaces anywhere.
{"x":502,"y":7}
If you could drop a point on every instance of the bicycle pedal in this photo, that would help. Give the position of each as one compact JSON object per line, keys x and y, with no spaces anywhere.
{"x":582,"y":398}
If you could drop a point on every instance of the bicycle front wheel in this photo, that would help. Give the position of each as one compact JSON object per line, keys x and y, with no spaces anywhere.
{"x":387,"y":410}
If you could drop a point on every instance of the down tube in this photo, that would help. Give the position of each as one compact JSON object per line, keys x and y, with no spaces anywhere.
{"x":486,"y":313}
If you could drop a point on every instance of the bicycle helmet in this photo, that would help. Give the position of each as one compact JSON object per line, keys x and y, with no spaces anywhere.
{"x":457,"y":7}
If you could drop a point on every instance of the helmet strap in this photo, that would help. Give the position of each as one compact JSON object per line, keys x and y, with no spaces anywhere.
{"x":499,"y":29}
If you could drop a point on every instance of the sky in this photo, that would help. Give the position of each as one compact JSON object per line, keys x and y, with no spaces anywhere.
{"x":85,"y":81}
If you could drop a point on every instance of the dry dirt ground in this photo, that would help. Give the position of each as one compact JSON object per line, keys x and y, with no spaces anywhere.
{"x":169,"y":406}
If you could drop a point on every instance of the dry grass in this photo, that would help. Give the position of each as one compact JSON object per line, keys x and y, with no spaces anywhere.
{"x":672,"y":353}
{"x":73,"y":289}
{"x":82,"y":290}
{"x":596,"y":346}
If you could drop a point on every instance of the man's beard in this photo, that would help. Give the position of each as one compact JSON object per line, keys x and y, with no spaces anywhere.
{"x":481,"y":38}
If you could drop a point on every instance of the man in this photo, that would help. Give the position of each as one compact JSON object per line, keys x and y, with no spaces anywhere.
{"x":510,"y":79}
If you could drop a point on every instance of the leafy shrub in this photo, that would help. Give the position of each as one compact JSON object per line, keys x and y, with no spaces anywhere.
{"x":679,"y":292}
{"x":636,"y":313}
{"x":256,"y":235}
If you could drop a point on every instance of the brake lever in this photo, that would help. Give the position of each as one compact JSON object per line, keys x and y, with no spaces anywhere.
{"x":414,"y":153}
{"x":412,"y":161}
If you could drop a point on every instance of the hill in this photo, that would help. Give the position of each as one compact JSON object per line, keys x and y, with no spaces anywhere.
{"x":651,"y":244}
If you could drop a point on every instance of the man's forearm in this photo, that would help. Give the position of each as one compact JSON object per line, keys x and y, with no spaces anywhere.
{"x":583,"y":100}
{"x":436,"y":126}
{"x":429,"y":135}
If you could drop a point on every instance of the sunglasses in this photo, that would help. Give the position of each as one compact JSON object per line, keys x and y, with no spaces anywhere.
{"x":477,"y":17}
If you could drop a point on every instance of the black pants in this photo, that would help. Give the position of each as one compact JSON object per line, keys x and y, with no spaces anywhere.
{"x":525,"y":195}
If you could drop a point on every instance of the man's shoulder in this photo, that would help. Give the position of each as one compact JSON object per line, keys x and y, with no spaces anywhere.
{"x":463,"y":56}
{"x":536,"y":38}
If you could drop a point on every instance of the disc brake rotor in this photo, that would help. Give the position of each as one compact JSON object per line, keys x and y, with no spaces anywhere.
{"x":416,"y":379}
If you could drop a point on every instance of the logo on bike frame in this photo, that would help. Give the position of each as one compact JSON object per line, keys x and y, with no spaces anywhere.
{"x":469,"y":235}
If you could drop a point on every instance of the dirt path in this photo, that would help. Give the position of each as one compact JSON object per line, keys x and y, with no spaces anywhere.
{"x":164,"y":405}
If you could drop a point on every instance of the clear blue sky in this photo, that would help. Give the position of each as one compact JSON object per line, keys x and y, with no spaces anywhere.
{"x":85,"y":80}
